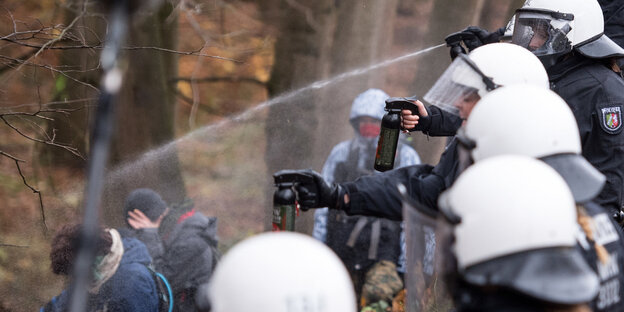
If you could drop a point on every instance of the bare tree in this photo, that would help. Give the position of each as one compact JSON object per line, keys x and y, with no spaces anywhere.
{"x":65,"y":58}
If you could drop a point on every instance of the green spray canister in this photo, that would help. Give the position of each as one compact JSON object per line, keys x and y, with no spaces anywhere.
{"x":390,"y":130}
{"x":285,"y":205}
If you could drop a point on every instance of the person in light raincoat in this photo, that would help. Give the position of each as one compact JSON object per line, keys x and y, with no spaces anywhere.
{"x":372,"y":248}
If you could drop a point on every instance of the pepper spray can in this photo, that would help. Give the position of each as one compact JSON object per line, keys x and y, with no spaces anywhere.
{"x":390,"y":130}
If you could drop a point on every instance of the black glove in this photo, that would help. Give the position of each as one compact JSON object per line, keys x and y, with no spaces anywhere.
{"x":312,"y":190}
{"x":482,"y":37}
{"x":424,"y":122}
{"x":472,"y":37}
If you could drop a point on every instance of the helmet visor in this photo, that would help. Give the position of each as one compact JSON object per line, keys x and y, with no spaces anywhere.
{"x":558,"y":275}
{"x":584,"y":180}
{"x":535,"y":32}
{"x":459,"y":88}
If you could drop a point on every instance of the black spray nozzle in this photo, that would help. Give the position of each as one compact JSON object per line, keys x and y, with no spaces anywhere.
{"x":459,"y":37}
{"x":455,"y":41}
{"x":397,"y":104}
{"x":291,"y":177}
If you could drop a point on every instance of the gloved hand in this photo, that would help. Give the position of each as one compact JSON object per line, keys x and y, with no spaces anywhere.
{"x":472,"y":37}
{"x":482,"y":37}
{"x":313,"y":191}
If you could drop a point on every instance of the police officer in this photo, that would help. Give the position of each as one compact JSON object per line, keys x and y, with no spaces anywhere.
{"x":512,"y":222}
{"x":371,"y":248}
{"x":555,"y":141}
{"x":279,"y":272}
{"x":567,"y":35}
{"x":458,"y":90}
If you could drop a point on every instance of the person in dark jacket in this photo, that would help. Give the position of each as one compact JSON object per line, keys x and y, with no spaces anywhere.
{"x":121,"y":281}
{"x":185,"y":252}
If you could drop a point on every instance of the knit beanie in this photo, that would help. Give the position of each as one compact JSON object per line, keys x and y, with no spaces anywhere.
{"x":147,"y":201}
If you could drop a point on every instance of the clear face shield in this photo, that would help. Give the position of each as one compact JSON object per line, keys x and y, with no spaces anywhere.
{"x":460,"y":87}
{"x":426,"y":250}
{"x":543,"y":33}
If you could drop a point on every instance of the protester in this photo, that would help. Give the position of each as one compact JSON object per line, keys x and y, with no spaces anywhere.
{"x":121,"y":280}
{"x":371,"y":248}
{"x":186,"y":254}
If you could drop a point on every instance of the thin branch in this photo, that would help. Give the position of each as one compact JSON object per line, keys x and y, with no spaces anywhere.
{"x":189,"y":102}
{"x":54,"y":70}
{"x":307,"y":12}
{"x":50,"y":104}
{"x":195,"y":90}
{"x":12,"y":18}
{"x":11,"y":245}
{"x":220,"y":79}
{"x":38,"y":46}
{"x":130,"y":48}
{"x":193,"y":53}
{"x":68,"y":148}
{"x":61,"y":35}
{"x":18,"y":160}
{"x":20,"y":58}
{"x":36,"y":191}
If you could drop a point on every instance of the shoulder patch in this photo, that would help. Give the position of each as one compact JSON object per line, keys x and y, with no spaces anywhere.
{"x":611,"y":118}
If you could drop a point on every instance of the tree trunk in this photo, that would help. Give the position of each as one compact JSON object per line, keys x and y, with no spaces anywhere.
{"x":301,"y":56}
{"x":145,"y":117}
{"x":496,"y":14}
{"x":362,"y":38}
{"x":341,"y":36}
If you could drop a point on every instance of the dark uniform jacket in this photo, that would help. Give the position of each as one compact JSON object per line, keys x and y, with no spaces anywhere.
{"x":608,"y":234}
{"x":596,"y":96}
{"x":378,"y":195}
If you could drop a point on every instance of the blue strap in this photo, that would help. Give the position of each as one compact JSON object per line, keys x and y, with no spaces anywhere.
{"x":169,"y":291}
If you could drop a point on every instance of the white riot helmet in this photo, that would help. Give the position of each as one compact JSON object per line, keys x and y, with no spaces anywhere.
{"x":516,"y":228}
{"x":552,"y":28}
{"x":281,"y":272}
{"x":483,"y":70}
{"x":535,"y":122}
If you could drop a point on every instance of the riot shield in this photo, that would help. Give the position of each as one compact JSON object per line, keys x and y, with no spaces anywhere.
{"x":425,"y":248}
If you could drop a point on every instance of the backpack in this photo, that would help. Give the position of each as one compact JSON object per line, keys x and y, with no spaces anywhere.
{"x":165,"y":294}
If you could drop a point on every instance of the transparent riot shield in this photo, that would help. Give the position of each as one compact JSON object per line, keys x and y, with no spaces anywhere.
{"x":425,"y":249}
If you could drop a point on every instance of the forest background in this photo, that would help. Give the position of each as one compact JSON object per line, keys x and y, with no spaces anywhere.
{"x":217,"y":95}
